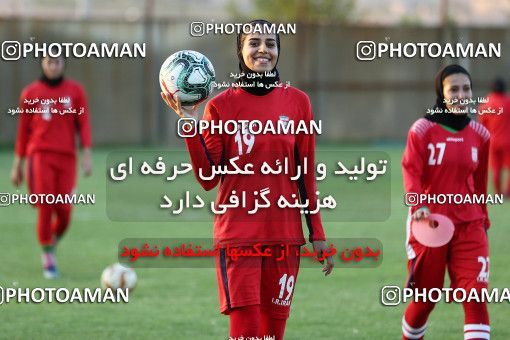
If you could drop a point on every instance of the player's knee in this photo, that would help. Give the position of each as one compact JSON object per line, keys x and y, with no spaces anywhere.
{"x":64,"y":213}
{"x":426,"y":307}
{"x":417,"y":313}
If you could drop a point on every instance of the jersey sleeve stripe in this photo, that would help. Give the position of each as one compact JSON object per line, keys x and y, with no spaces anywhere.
{"x":223,"y":265}
{"x":480,"y":130}
{"x":207,"y":154}
{"x":421,"y":126}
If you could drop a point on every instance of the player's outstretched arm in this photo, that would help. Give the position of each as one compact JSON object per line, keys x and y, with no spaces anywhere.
{"x":205,"y":150}
{"x":481,"y":176}
{"x":319,"y":247}
{"x":86,"y":162}
{"x":175,"y":104}
{"x":83,"y":123}
{"x":17,"y":171}
{"x":22,"y":138}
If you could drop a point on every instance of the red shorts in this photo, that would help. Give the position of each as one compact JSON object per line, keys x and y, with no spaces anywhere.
{"x":466,"y":256}
{"x":268,"y":281}
{"x":51,"y":173}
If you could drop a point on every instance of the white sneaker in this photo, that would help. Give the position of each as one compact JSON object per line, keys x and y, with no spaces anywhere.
{"x":51,"y":273}
{"x":49,"y":265}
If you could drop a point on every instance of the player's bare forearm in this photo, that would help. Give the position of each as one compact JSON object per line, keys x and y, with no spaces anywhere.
{"x":86,"y":162}
{"x":17,"y":170}
{"x":320,"y":247}
{"x":18,"y":160}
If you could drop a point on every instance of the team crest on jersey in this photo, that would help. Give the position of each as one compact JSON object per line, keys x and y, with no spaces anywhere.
{"x":474,"y":154}
{"x":285,"y":120}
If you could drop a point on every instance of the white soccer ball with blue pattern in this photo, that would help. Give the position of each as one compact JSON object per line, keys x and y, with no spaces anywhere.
{"x":188,"y":75}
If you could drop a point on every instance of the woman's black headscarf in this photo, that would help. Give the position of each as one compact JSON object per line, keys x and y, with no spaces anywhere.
{"x":51,"y":82}
{"x":453,"y":121}
{"x":255,"y":89}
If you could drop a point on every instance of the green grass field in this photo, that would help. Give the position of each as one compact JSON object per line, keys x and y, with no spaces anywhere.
{"x":182,"y":303}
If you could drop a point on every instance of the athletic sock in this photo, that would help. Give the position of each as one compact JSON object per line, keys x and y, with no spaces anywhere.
{"x":245,"y":321}
{"x":272,"y":327}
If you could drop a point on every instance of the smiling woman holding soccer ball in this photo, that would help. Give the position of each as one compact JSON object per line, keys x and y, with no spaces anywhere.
{"x":256,"y":292}
{"x":447,"y":153}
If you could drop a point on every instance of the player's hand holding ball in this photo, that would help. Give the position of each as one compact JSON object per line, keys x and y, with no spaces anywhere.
{"x":176,"y":105}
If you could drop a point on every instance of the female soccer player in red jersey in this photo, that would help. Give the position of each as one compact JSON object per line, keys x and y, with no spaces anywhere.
{"x":498,"y":124}
{"x":256,"y":292}
{"x":447,"y":153}
{"x":47,"y":141}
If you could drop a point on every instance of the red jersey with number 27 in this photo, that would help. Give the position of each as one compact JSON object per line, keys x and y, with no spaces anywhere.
{"x":437,"y":161}
{"x":271,"y":225}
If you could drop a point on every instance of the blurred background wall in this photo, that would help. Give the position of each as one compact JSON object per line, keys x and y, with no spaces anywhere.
{"x":356,"y":101}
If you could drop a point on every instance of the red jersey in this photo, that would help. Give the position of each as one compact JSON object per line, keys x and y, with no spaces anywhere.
{"x":272,"y":225}
{"x":498,"y":124}
{"x":54,"y":129}
{"x":437,"y":161}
